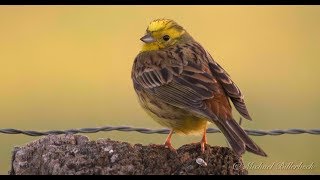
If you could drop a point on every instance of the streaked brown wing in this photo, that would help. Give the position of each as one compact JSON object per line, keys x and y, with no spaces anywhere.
{"x":230,"y":88}
{"x":186,"y":76}
{"x":181,"y":78}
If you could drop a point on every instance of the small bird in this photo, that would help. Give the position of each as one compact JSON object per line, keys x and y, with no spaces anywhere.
{"x":180,"y":86}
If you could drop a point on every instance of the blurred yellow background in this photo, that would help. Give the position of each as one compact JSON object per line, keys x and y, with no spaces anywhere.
{"x":67,"y":67}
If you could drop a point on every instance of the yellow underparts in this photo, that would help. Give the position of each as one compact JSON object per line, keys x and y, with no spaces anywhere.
{"x":192,"y":125}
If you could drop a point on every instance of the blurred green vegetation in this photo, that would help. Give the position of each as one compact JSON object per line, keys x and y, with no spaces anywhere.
{"x":67,"y":67}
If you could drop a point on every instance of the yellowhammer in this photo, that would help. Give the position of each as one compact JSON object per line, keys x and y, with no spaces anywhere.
{"x":180,"y":85}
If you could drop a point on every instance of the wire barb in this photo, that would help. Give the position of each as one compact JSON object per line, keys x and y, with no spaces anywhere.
{"x":252,"y":132}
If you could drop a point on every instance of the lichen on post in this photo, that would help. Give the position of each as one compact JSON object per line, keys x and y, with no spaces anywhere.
{"x":76,"y":154}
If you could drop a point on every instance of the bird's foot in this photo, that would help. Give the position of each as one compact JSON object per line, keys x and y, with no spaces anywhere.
{"x":203,"y":146}
{"x":169,"y":146}
{"x":203,"y":141}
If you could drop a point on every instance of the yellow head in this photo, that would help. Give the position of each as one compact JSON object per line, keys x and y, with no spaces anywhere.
{"x":162,"y":33}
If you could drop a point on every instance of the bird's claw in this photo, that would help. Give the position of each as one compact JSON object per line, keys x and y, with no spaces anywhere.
{"x":170,"y":147}
{"x":203,"y":147}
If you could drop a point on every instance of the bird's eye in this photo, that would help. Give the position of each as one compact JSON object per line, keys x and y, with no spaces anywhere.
{"x":166,"y":37}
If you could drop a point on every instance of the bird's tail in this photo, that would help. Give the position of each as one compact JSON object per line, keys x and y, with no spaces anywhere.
{"x":238,"y":138}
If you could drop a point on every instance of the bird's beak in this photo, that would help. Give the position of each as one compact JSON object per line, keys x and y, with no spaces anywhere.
{"x":148,"y":38}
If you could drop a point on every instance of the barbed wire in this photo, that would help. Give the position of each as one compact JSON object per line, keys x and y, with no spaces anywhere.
{"x":252,"y":132}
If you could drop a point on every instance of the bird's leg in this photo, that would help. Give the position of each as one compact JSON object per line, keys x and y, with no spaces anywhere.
{"x":203,"y":141}
{"x":167,"y":144}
